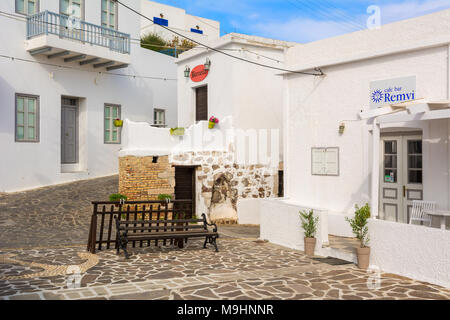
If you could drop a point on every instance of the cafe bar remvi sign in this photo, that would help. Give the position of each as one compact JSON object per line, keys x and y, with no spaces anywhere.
{"x":392,"y":91}
{"x":199,"y":73}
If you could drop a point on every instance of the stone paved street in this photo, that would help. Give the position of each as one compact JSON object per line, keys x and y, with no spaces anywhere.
{"x":30,"y":219}
{"x":243,"y":269}
{"x":35,"y":266}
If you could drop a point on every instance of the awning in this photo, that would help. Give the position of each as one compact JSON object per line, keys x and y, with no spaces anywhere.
{"x":419,"y":109}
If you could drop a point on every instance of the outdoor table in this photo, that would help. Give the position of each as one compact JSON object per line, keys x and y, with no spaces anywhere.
{"x":443,"y":214}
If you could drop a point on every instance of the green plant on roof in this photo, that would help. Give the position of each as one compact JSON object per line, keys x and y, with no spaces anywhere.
{"x":164,"y":197}
{"x":116,"y":197}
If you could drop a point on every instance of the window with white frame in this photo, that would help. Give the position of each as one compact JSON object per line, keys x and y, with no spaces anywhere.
{"x":27,"y":6}
{"x":27,"y":118}
{"x":159,"y":117}
{"x":112,"y":133}
{"x":109,"y":14}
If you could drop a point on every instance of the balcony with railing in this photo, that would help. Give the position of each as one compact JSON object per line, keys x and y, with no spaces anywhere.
{"x":60,"y":36}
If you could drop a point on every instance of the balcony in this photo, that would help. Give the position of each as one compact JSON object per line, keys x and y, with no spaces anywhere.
{"x":59,"y":36}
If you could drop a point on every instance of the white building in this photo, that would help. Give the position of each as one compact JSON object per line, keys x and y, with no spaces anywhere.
{"x":250,"y":94}
{"x":247,"y":99}
{"x":67,"y":70}
{"x":375,"y":129}
{"x":197,"y":28}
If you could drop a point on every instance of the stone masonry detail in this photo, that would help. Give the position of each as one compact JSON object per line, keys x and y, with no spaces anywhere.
{"x":144,"y":178}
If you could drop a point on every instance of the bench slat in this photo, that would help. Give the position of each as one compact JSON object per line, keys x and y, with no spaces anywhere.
{"x":169,"y":235}
{"x":162,"y":221}
{"x":184,"y":227}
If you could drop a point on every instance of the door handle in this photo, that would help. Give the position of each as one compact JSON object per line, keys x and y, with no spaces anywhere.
{"x":404,"y":191}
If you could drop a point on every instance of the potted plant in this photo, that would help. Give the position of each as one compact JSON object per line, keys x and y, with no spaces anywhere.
{"x":361,"y":231}
{"x":309,"y":225}
{"x":117,"y":197}
{"x":118,"y":123}
{"x":212,"y":122}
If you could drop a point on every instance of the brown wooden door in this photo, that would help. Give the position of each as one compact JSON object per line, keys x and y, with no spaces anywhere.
{"x":185,"y":188}
{"x":201,"y":103}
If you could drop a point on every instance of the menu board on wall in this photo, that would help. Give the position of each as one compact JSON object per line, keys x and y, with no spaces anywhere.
{"x":325,"y":161}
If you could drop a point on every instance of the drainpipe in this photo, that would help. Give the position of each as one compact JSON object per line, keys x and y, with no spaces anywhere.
{"x":375,"y":168}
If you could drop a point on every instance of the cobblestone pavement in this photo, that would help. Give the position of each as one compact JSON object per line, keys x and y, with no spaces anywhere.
{"x":243,"y":269}
{"x":29,"y":219}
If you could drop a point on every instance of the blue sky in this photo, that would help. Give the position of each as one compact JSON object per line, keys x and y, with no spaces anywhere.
{"x":302,"y":20}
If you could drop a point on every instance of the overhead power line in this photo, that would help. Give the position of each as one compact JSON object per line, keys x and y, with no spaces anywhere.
{"x":84,"y":70}
{"x":320,"y":73}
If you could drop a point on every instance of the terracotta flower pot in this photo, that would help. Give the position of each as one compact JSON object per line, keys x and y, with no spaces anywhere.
{"x":363,"y":258}
{"x":310,"y":246}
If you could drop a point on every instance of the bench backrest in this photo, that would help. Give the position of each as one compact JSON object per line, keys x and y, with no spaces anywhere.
{"x":161,"y":225}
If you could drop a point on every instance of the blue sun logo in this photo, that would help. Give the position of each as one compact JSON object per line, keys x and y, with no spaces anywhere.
{"x":377,"y":96}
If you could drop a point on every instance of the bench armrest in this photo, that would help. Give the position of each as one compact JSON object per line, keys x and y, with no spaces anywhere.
{"x":205,"y":222}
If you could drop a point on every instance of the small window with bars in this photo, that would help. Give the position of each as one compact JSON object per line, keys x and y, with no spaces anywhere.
{"x":159,"y":117}
{"x":27,"y":118}
{"x":112,"y":133}
{"x":27,"y":7}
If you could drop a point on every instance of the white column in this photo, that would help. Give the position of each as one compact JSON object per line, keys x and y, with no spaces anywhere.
{"x":285,"y":127}
{"x":375,"y":168}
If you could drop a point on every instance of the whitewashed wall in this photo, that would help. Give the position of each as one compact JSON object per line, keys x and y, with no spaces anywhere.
{"x":252,"y":95}
{"x":317,"y":106}
{"x":280,"y":223}
{"x":416,"y":252}
{"x":179,"y":21}
{"x":28,"y":165}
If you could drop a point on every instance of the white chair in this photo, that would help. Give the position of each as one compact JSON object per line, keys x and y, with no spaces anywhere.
{"x":417,"y":212}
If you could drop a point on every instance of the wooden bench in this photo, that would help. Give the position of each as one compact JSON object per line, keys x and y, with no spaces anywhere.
{"x":178,"y":230}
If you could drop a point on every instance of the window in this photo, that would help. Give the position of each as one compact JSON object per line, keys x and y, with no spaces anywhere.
{"x":415,"y":165}
{"x":161,"y":21}
{"x":197,"y":31}
{"x":159,"y":117}
{"x":27,"y":6}
{"x":112,"y":133}
{"x":27,"y":118}
{"x":109,"y":14}
{"x":72,"y":8}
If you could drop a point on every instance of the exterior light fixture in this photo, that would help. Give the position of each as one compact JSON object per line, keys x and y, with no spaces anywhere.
{"x":342,"y":128}
{"x":187,"y":72}
{"x":207,"y":64}
{"x":161,"y":15}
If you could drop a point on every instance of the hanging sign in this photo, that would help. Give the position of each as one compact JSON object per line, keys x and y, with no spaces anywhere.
{"x":199,"y":73}
{"x":392,"y":91}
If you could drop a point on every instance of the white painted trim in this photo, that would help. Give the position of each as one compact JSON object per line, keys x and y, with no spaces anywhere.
{"x":403,"y":116}
{"x":376,"y":135}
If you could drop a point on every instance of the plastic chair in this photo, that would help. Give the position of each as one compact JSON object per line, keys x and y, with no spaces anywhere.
{"x":418,"y":209}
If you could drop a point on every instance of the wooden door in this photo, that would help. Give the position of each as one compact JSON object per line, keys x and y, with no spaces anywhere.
{"x":69,"y":131}
{"x":201,"y":104}
{"x":185,"y":188}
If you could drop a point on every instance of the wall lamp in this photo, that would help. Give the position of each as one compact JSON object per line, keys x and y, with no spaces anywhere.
{"x":207,"y":64}
{"x":187,"y":72}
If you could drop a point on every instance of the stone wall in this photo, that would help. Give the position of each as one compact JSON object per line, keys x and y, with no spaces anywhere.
{"x":140,"y":179}
{"x":220,"y":182}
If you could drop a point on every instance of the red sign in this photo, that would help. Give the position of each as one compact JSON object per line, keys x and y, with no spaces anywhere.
{"x":199,"y":73}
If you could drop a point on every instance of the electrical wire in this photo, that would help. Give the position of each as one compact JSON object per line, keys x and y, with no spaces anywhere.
{"x":84,"y":70}
{"x":320,"y":73}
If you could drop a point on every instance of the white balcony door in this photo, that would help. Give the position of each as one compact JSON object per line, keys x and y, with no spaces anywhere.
{"x":401,"y":176}
{"x":71,"y":26}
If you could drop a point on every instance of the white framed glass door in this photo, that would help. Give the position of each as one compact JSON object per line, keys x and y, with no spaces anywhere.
{"x":401,"y":176}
